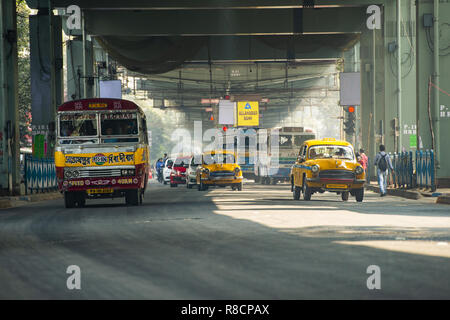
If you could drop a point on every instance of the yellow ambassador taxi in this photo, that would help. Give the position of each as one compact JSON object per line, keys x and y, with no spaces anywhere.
{"x":327,"y":165}
{"x":219,"y":168}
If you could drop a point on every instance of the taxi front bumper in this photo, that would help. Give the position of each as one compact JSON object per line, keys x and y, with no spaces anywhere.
{"x":330,"y":184}
{"x":222,"y":180}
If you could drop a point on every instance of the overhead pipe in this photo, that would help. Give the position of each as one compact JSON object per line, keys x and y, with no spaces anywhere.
{"x":436,"y":82}
{"x":399,"y":76}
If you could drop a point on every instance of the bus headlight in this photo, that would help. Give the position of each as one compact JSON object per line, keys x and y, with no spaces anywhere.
{"x":315,"y":168}
{"x":67,"y":174}
{"x":359,"y":170}
{"x":127,"y":172}
{"x":236,"y":171}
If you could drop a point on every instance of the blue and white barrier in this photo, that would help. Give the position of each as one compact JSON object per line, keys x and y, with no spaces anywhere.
{"x":40,"y":175}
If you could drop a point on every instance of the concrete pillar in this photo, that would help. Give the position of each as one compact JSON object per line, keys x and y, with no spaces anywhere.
{"x":9,"y":125}
{"x":88,"y":64}
{"x":46,"y":79}
{"x":74,"y":54}
{"x":372,"y":90}
{"x":429,"y":109}
{"x":352,"y":64}
{"x":402,"y":137}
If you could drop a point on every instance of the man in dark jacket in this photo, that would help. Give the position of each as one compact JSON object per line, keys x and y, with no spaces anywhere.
{"x":383,"y":163}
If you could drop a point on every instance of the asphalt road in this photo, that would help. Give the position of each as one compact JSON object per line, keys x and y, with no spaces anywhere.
{"x":223,"y":244}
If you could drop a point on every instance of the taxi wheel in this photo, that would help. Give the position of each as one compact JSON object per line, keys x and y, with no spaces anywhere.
{"x":202,"y":187}
{"x":344,"y":196}
{"x":306,"y":191}
{"x":296,"y":193}
{"x":359,"y":194}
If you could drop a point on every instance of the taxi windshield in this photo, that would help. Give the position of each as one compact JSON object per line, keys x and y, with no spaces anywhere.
{"x":331,"y":152}
{"x":218,"y":158}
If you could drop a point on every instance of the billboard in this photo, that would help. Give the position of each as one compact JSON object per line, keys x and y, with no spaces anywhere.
{"x":350,"y":92}
{"x":248,"y":113}
{"x":111,"y":89}
{"x":226,"y":112}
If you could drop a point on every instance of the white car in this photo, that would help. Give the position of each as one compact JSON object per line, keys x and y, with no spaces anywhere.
{"x":167,"y":169}
{"x":191,"y":171}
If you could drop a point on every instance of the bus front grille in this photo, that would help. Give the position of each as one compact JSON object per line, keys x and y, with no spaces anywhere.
{"x":90,"y":173}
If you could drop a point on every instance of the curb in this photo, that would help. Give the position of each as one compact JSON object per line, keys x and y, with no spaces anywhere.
{"x":11,"y":202}
{"x":414,"y":195}
{"x":443,"y":199}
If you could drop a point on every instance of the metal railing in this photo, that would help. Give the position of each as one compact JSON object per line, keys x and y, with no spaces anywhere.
{"x":425,"y":169}
{"x":411,"y":170}
{"x":403,"y":175}
{"x":40,"y":175}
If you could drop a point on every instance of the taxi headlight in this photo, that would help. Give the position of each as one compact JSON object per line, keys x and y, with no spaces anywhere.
{"x":315,"y":168}
{"x":359,"y":170}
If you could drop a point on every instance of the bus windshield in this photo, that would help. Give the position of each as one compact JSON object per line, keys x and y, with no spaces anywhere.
{"x":299,"y":139}
{"x":78,"y":125}
{"x":119,"y":124}
{"x":285,"y":141}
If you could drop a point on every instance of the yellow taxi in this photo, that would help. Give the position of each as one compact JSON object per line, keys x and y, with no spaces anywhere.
{"x":219,"y":168}
{"x":327,"y":165}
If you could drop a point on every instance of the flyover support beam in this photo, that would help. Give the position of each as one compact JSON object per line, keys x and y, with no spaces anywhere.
{"x":224,"y":22}
{"x":399,"y":122}
{"x":88,"y":63}
{"x":46,"y":79}
{"x":74,"y":54}
{"x":9,"y":124}
{"x":352,"y":64}
{"x":372,"y":90}
{"x":433,"y":92}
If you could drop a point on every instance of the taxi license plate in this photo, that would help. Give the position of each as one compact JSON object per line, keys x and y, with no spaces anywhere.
{"x":96,"y":191}
{"x":336,"y":186}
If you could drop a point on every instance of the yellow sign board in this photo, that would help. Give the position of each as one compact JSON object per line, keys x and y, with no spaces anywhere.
{"x":97,"y":105}
{"x":248,"y":113}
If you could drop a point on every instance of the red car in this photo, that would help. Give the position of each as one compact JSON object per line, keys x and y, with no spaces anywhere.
{"x":178,"y":173}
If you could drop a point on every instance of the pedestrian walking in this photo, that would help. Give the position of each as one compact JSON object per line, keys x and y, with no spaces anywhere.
{"x":383,"y":164}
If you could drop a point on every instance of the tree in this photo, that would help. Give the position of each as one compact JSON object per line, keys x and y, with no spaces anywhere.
{"x":24,"y":83}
